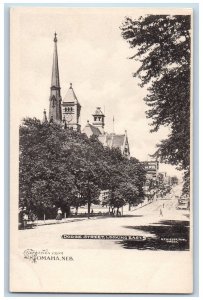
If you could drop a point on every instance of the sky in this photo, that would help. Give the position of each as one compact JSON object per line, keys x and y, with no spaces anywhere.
{"x":94,"y":57}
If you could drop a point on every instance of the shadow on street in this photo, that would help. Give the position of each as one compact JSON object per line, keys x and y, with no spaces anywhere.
{"x":169,"y":235}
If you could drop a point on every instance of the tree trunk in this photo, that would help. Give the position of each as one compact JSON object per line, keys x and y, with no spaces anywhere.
{"x":88,"y":208}
{"x":68,"y":211}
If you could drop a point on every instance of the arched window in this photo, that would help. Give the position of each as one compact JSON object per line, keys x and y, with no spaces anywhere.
{"x":95,"y":118}
{"x":53,"y":101}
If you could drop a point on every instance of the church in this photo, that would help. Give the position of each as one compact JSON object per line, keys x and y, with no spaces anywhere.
{"x":67,"y":112}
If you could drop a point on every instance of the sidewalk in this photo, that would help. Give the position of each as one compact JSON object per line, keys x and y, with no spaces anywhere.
{"x":67,"y":220}
{"x":141,"y":205}
{"x":53,"y":221}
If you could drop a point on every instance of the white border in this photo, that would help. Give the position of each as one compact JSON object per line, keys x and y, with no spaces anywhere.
{"x":2,"y":129}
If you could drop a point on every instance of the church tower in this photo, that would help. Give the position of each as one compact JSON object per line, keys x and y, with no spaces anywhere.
{"x":71,"y":110}
{"x":99,"y":119}
{"x":55,"y":90}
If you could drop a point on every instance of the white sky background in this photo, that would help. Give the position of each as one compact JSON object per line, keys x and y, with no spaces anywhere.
{"x":94,"y":57}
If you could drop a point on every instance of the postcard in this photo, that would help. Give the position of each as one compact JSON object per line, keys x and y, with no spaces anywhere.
{"x":101,"y":150}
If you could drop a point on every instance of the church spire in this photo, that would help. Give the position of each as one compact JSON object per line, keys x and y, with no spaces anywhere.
{"x":55,"y":69}
{"x":55,"y":95}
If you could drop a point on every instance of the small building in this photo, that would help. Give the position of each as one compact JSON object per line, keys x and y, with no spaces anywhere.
{"x":110,"y":140}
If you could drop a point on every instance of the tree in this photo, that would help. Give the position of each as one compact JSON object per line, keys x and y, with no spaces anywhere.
{"x":126,"y":179}
{"x":162,"y":46}
{"x":63,"y":168}
{"x":44,"y":180}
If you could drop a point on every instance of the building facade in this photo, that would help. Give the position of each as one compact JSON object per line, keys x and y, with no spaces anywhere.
{"x":67,"y":112}
{"x":110,"y":140}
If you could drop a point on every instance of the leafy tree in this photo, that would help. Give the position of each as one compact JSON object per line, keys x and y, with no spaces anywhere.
{"x":162,"y":46}
{"x":44,"y":182}
{"x":58,"y":168}
{"x":126,"y":180}
{"x":63,"y":168}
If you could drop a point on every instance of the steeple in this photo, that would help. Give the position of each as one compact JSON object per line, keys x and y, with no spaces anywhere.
{"x":55,"y":68}
{"x":55,"y":93}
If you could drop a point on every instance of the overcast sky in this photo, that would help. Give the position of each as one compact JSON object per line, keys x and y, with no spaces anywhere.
{"x":93,"y":56}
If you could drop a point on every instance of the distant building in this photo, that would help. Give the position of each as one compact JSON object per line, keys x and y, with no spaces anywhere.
{"x":174,"y":180}
{"x":163,"y":178}
{"x":110,"y":140}
{"x":151,"y":167}
{"x":150,"y":185}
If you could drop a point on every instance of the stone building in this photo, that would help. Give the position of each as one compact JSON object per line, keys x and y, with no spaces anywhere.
{"x":110,"y":140}
{"x":67,"y":111}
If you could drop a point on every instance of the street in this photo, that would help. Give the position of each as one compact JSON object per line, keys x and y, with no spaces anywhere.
{"x":146,"y":221}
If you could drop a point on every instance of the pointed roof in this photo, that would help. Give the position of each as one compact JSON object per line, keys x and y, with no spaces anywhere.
{"x":98,"y":112}
{"x":55,"y":68}
{"x":70,"y":95}
{"x":91,"y":130}
{"x":117,"y":140}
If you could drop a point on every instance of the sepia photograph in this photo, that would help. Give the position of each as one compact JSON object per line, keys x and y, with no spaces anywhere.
{"x":101,"y":150}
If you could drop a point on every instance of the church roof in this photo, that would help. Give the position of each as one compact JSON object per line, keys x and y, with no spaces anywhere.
{"x":98,"y":112}
{"x":103,"y":139}
{"x":117,"y":140}
{"x":91,"y":130}
{"x":95,"y":130}
{"x":111,"y":140}
{"x":70,"y":95}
